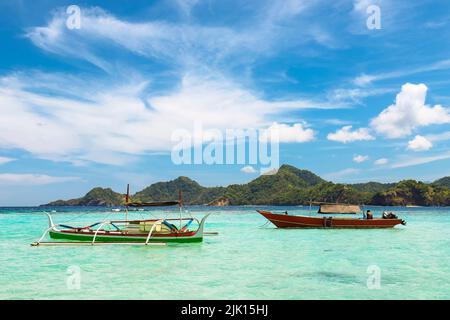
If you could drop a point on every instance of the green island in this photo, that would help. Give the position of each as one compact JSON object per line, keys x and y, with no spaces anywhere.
{"x":289,"y":186}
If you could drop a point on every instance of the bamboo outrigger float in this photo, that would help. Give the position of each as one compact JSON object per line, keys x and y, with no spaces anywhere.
{"x":143,"y":232}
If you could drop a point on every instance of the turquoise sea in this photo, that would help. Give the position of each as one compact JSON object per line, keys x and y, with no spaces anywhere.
{"x":247,"y":260}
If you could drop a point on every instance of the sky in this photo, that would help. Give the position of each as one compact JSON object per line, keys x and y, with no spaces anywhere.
{"x":91,"y":95}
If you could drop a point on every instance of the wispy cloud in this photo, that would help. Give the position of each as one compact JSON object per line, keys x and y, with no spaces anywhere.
{"x":339,"y":176}
{"x":356,"y":95}
{"x":438,"y":136}
{"x":393,"y":17}
{"x":32,"y":179}
{"x":366,"y":79}
{"x":114,"y":118}
{"x":420,"y":160}
{"x":337,"y":122}
{"x":177,"y":43}
{"x":360,"y":158}
{"x":381,"y":161}
{"x":4,"y":160}
{"x":181,"y":43}
{"x":186,"y":6}
{"x":111,"y":124}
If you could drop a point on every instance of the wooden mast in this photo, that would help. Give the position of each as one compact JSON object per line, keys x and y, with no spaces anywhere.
{"x":127,"y":199}
{"x":180,"y":203}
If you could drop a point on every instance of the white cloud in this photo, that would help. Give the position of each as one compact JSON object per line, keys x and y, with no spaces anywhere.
{"x":32,"y":179}
{"x":4,"y":160}
{"x":360,"y":158}
{"x":381,"y":161}
{"x":248,"y":169}
{"x":288,"y":134}
{"x":345,"y":135}
{"x":419,"y":143}
{"x":408,"y":113}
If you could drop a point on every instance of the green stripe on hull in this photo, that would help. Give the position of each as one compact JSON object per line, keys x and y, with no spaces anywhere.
{"x":102,"y":238}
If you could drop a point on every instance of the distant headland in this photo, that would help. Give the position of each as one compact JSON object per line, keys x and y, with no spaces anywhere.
{"x":289,"y":186}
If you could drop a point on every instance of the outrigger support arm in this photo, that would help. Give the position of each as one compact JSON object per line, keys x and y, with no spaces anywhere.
{"x":151,"y":230}
{"x":101,"y":225}
{"x":110,"y":223}
{"x":50,"y":220}
{"x":202,"y":225}
{"x":44,"y":234}
{"x":51,"y":225}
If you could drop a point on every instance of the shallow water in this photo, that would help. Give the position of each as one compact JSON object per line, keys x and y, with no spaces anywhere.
{"x":247,"y":260}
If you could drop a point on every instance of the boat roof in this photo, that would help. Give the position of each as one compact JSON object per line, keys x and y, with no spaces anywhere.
{"x":152,"y":204}
{"x":339,"y":208}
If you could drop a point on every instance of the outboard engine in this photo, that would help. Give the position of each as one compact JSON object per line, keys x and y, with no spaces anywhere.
{"x":389,"y":215}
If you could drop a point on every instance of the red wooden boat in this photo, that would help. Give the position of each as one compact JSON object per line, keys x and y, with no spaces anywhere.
{"x":288,"y":221}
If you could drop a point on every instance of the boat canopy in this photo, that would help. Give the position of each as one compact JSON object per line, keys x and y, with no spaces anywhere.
{"x":152,"y":204}
{"x":339,"y":208}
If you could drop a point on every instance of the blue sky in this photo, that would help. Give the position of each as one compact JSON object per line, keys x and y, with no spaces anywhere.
{"x":97,"y":105}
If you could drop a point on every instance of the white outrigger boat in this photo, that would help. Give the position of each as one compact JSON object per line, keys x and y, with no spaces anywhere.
{"x":144,"y":232}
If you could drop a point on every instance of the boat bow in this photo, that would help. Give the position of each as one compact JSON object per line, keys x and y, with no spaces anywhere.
{"x":202,"y":225}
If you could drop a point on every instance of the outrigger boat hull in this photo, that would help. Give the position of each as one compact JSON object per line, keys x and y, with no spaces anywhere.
{"x":143,"y":236}
{"x":155,"y":231}
{"x":288,"y":221}
{"x":187,"y":237}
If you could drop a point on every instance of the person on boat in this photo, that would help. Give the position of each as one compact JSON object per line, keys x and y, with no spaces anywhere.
{"x":369,"y":215}
{"x":286,"y":212}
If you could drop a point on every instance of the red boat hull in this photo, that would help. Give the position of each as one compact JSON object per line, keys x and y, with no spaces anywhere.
{"x":287,"y":221}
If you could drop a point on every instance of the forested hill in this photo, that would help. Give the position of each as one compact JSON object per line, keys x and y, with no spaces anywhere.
{"x":445,"y":182}
{"x":289,"y":186}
